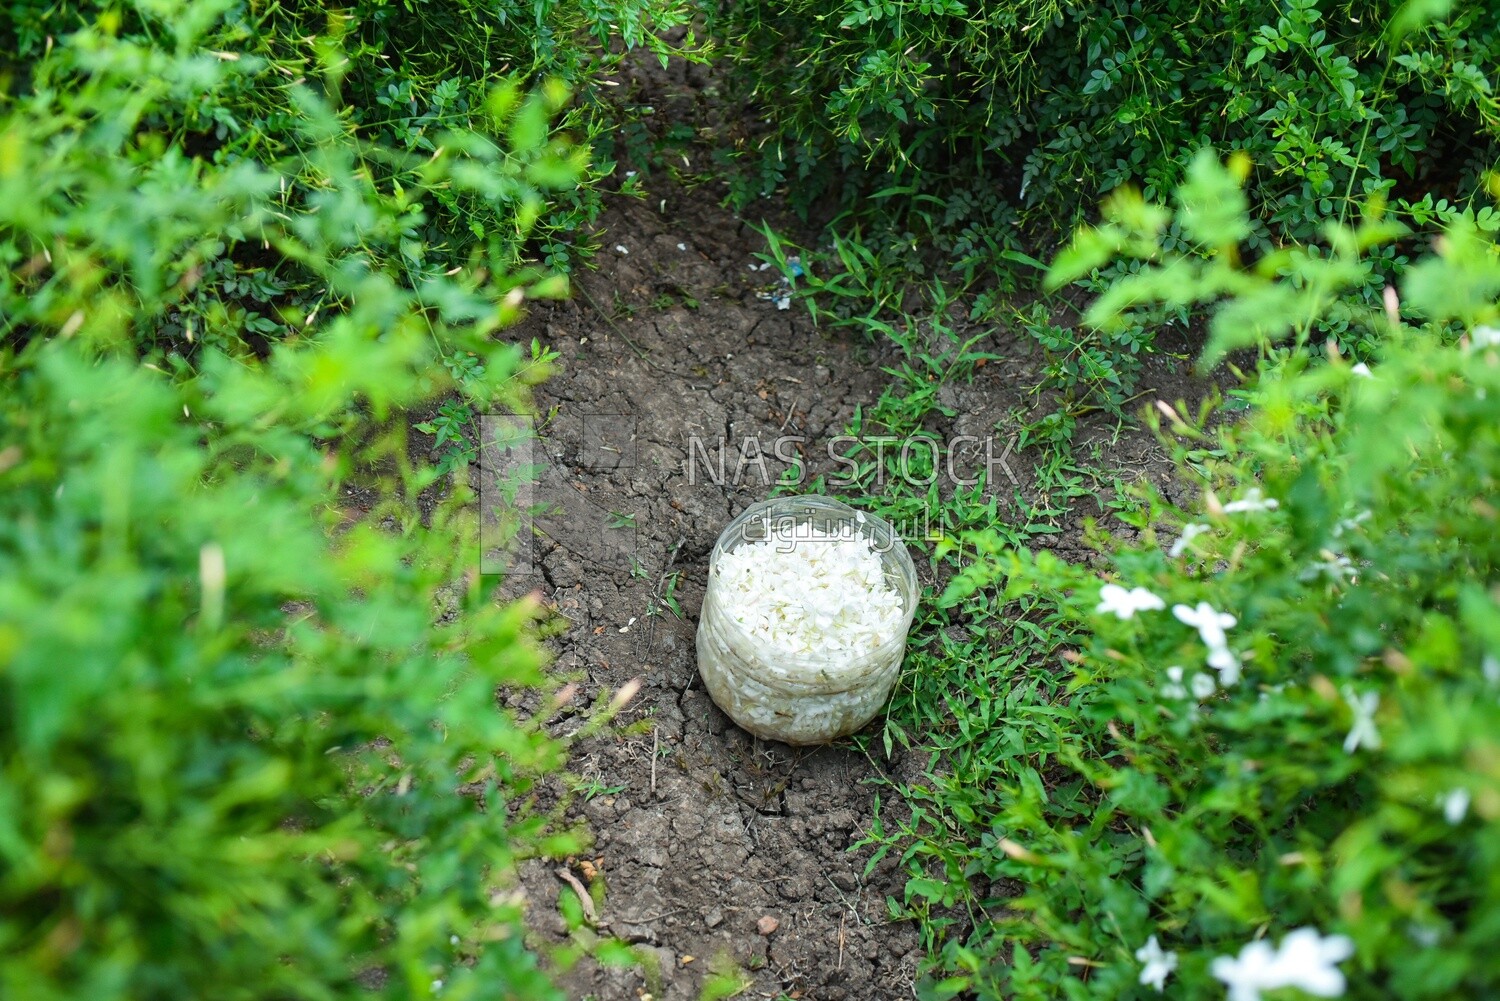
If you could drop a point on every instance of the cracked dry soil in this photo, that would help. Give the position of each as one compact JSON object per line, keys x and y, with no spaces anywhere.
{"x":701,"y":832}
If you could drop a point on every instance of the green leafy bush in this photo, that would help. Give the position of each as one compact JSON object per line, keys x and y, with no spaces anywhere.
{"x":1279,"y":700}
{"x":940,"y":120}
{"x":401,"y":77}
{"x":231,"y":744}
{"x":236,"y":710}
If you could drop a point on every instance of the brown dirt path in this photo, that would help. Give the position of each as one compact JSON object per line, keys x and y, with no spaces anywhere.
{"x":718,"y":831}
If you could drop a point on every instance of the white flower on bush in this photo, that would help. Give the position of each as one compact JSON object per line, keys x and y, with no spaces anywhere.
{"x":1211,"y":624}
{"x":1123,"y":603}
{"x":1249,"y":973}
{"x":1226,"y":662}
{"x":1174,"y":688}
{"x":1305,"y":960}
{"x":1350,"y":524}
{"x":1426,"y":936}
{"x":1201,"y":686}
{"x":1252,"y":502}
{"x":1362,"y":733}
{"x":1190,"y":532}
{"x":1456,"y":805}
{"x":1333,"y":566}
{"x":1158,"y":964}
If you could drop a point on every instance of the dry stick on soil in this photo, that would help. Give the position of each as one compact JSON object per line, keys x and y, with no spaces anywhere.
{"x":658,"y":917}
{"x":655,"y":743}
{"x":584,"y":900}
{"x":789,"y":414}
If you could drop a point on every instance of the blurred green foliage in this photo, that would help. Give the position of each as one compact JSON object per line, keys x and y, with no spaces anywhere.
{"x":236,"y":706}
{"x":231,"y":740}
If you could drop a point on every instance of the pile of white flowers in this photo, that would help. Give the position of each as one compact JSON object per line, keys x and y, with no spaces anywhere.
{"x":804,"y":591}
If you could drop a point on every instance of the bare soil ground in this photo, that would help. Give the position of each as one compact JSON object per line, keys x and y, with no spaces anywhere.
{"x":703,"y":830}
{"x":700,"y":831}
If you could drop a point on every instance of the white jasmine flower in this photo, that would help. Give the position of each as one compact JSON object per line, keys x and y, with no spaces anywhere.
{"x":1123,"y":603}
{"x":1173,"y":688}
{"x":1485,"y":337}
{"x":1224,"y":660}
{"x":1350,"y":524}
{"x":1251,"y":502}
{"x":1363,"y":732}
{"x":1425,"y":935}
{"x":1211,"y":624}
{"x":1362,"y":370}
{"x":1333,"y":566}
{"x":1338,"y":566}
{"x":1456,"y":805}
{"x":1158,"y":965}
{"x":1190,"y":532}
{"x":1201,"y":685}
{"x":1305,"y":960}
{"x":1249,"y":973}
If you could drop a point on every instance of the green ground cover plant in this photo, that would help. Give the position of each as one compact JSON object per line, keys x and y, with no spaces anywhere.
{"x":1253,"y":751}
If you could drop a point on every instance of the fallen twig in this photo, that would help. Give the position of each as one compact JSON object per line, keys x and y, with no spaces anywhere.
{"x":584,"y":900}
{"x":655,"y":743}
